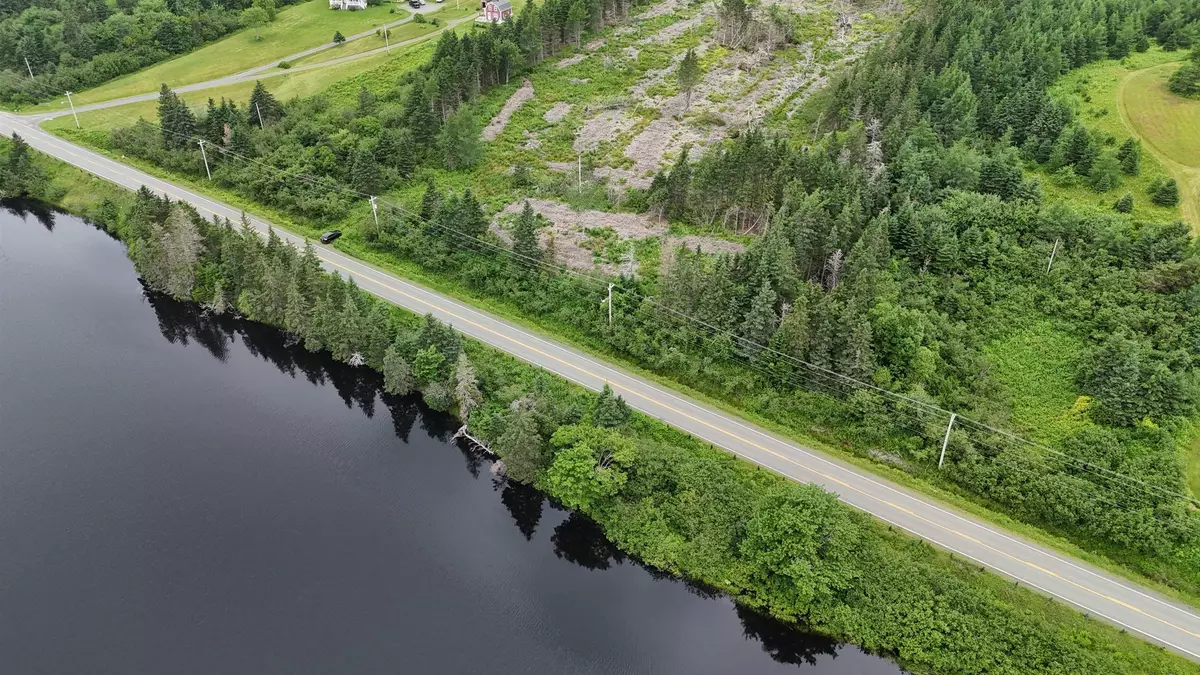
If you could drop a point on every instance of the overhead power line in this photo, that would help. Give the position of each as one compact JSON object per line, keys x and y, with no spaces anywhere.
{"x":825,"y":380}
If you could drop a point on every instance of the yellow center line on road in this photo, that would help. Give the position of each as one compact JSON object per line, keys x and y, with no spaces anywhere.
{"x":731,"y":435}
{"x":774,"y":453}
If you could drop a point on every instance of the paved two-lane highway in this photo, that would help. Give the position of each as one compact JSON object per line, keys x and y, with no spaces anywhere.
{"x":1096,"y":592}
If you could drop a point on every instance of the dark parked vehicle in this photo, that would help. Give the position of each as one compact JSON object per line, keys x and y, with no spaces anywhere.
{"x":330,"y":236}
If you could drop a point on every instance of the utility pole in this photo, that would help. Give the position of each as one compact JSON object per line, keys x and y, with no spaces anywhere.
{"x":946,"y":440}
{"x":204,"y":155}
{"x":259,"y":111}
{"x":375,"y":211}
{"x":28,"y":67}
{"x":609,"y":301}
{"x":1053,"y":251}
{"x":72,"y":103}
{"x":387,"y":41}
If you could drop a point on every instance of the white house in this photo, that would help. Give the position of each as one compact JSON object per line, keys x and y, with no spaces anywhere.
{"x":495,"y":11}
{"x":347,"y":4}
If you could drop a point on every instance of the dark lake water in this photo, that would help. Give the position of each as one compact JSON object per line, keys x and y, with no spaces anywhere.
{"x":184,"y":495}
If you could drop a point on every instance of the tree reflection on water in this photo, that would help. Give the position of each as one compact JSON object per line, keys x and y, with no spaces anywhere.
{"x":576,"y":539}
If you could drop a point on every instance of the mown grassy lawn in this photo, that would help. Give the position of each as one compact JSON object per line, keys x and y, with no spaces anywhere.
{"x":408,"y":31}
{"x":1168,"y":122}
{"x":295,"y":29}
{"x":1094,"y":91}
{"x":1170,"y":126}
{"x":384,"y":67}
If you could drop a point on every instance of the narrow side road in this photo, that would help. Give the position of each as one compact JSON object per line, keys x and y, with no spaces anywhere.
{"x":1095,"y":592}
{"x":262,"y":72}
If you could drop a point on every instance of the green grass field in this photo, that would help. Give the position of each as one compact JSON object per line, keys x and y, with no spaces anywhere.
{"x":340,"y":80}
{"x":1037,"y":365}
{"x":295,"y":29}
{"x":409,"y":31}
{"x":1095,"y":92}
{"x":1169,"y":126}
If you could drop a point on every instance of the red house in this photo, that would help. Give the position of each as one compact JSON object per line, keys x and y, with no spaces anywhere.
{"x":495,"y":11}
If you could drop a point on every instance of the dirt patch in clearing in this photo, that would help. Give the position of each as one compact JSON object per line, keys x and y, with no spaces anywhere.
{"x":692,"y":241}
{"x":514,"y":102}
{"x":568,"y":229}
{"x":606,"y":126}
{"x":673,"y":31}
{"x":746,"y":86}
{"x":570,"y":61}
{"x":532,"y":142}
{"x":661,"y":137}
{"x":739,"y":90}
{"x":557,"y":113}
{"x":595,"y":44}
{"x":660,"y":9}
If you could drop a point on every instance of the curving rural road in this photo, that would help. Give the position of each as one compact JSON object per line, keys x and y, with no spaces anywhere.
{"x":1095,"y":592}
{"x":264,"y":71}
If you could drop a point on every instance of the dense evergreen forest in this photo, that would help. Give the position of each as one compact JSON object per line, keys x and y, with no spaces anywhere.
{"x":75,"y":44}
{"x":897,"y":235}
{"x":788,"y":549}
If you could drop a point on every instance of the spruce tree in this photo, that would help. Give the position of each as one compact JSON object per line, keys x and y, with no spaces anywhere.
{"x":366,"y":101}
{"x":365,"y":175}
{"x":214,"y":127}
{"x":521,"y":446}
{"x":1000,"y":176}
{"x":346,"y":335}
{"x":239,"y":141}
{"x":679,"y":183}
{"x":1081,"y":150}
{"x":1106,"y":173}
{"x":324,"y":322}
{"x":397,"y":374}
{"x":1124,"y":204}
{"x":525,"y":239}
{"x":378,"y":332}
{"x":471,"y":220}
{"x":176,"y":120}
{"x":20,"y":177}
{"x":459,"y":140}
{"x":761,"y":320}
{"x":794,"y":333}
{"x":856,"y":358}
{"x":431,"y":203}
{"x":428,"y":365}
{"x":1130,"y":155}
{"x":296,"y":317}
{"x":264,"y":102}
{"x":609,"y":410}
{"x":688,"y":76}
{"x":1165,"y":193}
